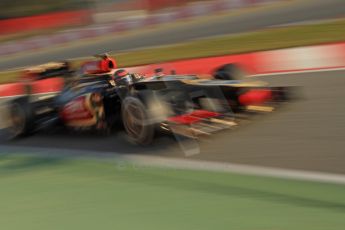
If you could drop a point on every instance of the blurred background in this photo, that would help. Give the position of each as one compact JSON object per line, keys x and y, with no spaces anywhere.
{"x":85,"y":11}
{"x":284,"y":170}
{"x":110,"y":25}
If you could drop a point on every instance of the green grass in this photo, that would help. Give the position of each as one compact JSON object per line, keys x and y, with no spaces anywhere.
{"x":60,"y":193}
{"x":268,"y":39}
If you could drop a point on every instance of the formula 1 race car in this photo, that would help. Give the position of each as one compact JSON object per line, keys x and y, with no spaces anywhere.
{"x":180,"y":104}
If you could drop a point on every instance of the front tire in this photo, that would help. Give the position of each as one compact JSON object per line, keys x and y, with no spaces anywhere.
{"x":136,"y":121}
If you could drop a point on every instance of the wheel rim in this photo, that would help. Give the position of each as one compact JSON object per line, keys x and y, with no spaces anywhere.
{"x":134,"y":120}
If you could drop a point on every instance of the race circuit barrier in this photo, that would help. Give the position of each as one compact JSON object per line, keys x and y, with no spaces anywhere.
{"x":126,"y":24}
{"x":310,"y":58}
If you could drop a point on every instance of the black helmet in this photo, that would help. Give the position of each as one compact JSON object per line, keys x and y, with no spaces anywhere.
{"x":122,"y":77}
{"x":120,"y":73}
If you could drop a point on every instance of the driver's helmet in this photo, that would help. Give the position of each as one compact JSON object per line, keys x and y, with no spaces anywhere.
{"x":122,"y":77}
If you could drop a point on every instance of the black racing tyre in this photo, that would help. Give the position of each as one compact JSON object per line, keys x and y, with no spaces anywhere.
{"x":229,"y":72}
{"x":20,"y":118}
{"x":136,"y":121}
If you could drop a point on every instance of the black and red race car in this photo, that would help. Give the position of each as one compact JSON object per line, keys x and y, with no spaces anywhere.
{"x":180,"y":104}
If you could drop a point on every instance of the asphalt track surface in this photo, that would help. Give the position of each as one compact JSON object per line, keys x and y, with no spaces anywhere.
{"x":296,"y":11}
{"x":308,"y":133}
{"x":305,"y":134}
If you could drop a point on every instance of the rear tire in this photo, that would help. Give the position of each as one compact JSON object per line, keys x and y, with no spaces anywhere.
{"x":20,"y":118}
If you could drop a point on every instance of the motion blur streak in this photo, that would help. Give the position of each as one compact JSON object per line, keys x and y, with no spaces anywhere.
{"x":223,"y":114}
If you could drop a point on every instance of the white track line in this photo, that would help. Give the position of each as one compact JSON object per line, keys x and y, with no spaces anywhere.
{"x":238,"y":168}
{"x":187,"y":164}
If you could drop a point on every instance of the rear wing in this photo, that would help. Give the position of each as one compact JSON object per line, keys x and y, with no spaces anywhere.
{"x":48,"y":70}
